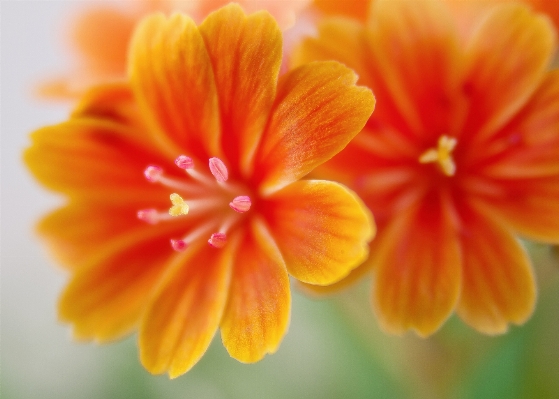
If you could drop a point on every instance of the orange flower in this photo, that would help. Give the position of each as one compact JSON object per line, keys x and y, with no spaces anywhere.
{"x":99,"y":37}
{"x":466,"y":11}
{"x":179,"y":245}
{"x":461,"y":153}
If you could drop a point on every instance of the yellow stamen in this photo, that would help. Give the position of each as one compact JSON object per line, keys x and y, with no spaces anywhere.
{"x":179,"y":206}
{"x":442,"y":155}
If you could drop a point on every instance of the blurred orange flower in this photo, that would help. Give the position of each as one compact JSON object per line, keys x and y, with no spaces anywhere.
{"x":466,"y":11}
{"x":197,"y":247}
{"x":99,"y":36}
{"x":461,"y":153}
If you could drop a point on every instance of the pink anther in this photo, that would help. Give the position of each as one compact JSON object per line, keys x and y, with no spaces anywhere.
{"x":148,"y":215}
{"x":241,"y":203}
{"x":218,"y":240}
{"x":184,"y":162}
{"x":153,"y":173}
{"x":179,"y":245}
{"x":218,"y":169}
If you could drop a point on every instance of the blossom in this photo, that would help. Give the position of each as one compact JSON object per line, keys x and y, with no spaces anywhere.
{"x":99,"y":37}
{"x":186,"y":209}
{"x":460,"y":156}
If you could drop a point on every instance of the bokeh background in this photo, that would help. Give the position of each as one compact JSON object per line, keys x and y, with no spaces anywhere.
{"x":334,"y":348}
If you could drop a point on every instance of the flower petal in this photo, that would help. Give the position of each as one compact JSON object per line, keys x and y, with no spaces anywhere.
{"x":528,"y":147}
{"x":81,"y":231}
{"x":321,"y":228}
{"x":184,"y":314}
{"x":337,"y":39}
{"x":172,"y":78}
{"x":89,"y":158}
{"x":101,"y":36}
{"x":355,"y":275}
{"x":498,"y":283}
{"x":112,"y":102}
{"x":529,"y":206}
{"x":106,"y":296}
{"x":318,"y":110}
{"x":521,"y":163}
{"x":245,"y":54}
{"x":416,"y":64}
{"x":393,"y":159}
{"x":257,"y":312}
{"x":505,"y":63}
{"x":417,"y":268}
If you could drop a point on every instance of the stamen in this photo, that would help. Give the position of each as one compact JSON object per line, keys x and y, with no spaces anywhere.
{"x":148,"y":215}
{"x":240,"y":204}
{"x":218,"y":240}
{"x":179,"y":206}
{"x":152,"y":216}
{"x":442,"y":155}
{"x":200,"y":177}
{"x":153,"y":173}
{"x":184,"y":162}
{"x":177,"y":185}
{"x":218,"y":169}
{"x":179,"y":245}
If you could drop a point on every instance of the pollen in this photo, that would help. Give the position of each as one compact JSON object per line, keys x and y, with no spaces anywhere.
{"x":442,"y":155}
{"x":241,"y":204}
{"x":218,"y":240}
{"x":179,"y":245}
{"x":179,"y":206}
{"x":218,"y":169}
{"x":153,"y":173}
{"x":184,"y":162}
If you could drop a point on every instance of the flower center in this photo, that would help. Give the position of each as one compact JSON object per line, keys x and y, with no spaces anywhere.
{"x":442,"y":155}
{"x":199,"y":194}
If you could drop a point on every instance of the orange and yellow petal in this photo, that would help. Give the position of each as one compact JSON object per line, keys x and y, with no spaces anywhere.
{"x":106,"y":296}
{"x":185,"y":312}
{"x":68,"y":86}
{"x":415,"y":57}
{"x":528,"y":147}
{"x":379,"y":163}
{"x":417,"y":268}
{"x":527,"y":206}
{"x":321,"y":228}
{"x":171,"y":75}
{"x":551,"y":8}
{"x":337,"y":39}
{"x":506,"y":59}
{"x":84,"y":230}
{"x":522,"y":164}
{"x":318,"y":110}
{"x":90,"y":158}
{"x":498,"y":284}
{"x":245,"y":55}
{"x":112,"y":102}
{"x":357,"y":274}
{"x":101,"y":37}
{"x":257,"y":313}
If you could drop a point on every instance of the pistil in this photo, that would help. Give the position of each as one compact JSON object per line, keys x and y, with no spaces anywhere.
{"x":442,"y":155}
